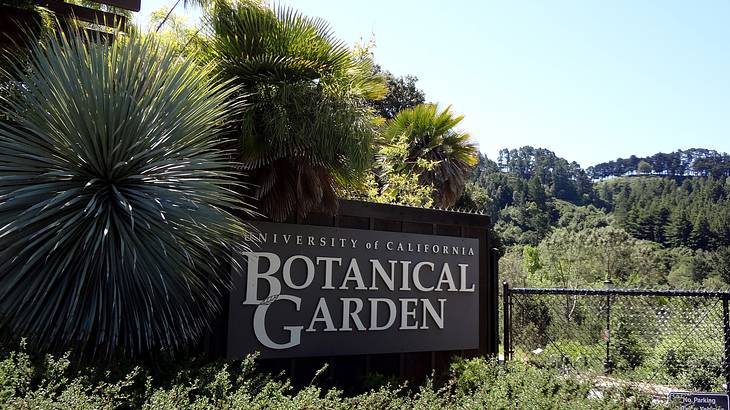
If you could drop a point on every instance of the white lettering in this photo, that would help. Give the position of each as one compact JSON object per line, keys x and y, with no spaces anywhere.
{"x":462,"y":277}
{"x":287,"y":272}
{"x":407,"y":313}
{"x":328,"y":270}
{"x":347,"y":314}
{"x":378,"y":269}
{"x":253,"y":276}
{"x":405,"y":266}
{"x":417,"y":278}
{"x":374,"y":313}
{"x":438,"y":318}
{"x":322,"y":314}
{"x":259,"y":326}
{"x":353,"y":273}
{"x":447,"y":279}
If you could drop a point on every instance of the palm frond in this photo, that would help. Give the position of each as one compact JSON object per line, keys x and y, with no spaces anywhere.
{"x":431,"y":136}
{"x":308,"y":129}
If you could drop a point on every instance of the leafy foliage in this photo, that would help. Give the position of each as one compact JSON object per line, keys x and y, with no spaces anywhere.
{"x":23,"y":24}
{"x":308,"y":130}
{"x":441,"y":155}
{"x":176,"y":32}
{"x":402,"y":94}
{"x":477,"y":383}
{"x":113,"y":198}
{"x":527,"y":191}
{"x":693,"y":212}
{"x":674,"y":231}
{"x":391,"y":184}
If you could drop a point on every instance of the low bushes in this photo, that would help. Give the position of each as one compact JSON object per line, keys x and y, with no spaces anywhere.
{"x":672,"y":361}
{"x":53,"y":383}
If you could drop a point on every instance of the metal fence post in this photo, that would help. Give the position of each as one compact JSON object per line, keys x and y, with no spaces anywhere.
{"x":607,"y":365}
{"x":726,"y":333}
{"x":507,"y":321}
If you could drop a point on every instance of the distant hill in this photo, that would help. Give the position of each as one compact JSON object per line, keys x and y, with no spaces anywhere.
{"x":529,"y":191}
{"x":690,"y":162}
{"x":658,"y":221}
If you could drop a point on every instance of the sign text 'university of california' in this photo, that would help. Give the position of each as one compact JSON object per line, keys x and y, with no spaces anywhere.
{"x":308,"y":290}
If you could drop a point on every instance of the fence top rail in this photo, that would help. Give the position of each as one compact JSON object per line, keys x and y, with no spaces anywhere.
{"x":619,"y":292}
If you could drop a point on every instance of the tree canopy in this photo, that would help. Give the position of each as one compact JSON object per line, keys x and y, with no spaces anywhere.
{"x":308,"y":129}
{"x":670,"y":226}
{"x":440,"y":154}
{"x":689,"y":162}
{"x":402,"y":94}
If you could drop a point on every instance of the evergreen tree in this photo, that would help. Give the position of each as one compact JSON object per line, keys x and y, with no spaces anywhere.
{"x":700,"y":236}
{"x":661,"y":219}
{"x":721,"y":263}
{"x":679,"y":229}
{"x":632,"y":223}
{"x":402,"y":94}
{"x":649,"y":207}
{"x":535,"y":191}
{"x":643,"y":167}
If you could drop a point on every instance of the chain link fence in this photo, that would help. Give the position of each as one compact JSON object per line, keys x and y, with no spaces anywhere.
{"x":658,"y":341}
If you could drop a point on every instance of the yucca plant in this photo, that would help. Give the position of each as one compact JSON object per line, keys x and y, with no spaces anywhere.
{"x":308,"y":130}
{"x":440,"y":154}
{"x":115,"y":197}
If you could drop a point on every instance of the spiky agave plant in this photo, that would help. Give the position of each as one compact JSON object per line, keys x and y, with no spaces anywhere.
{"x":439,"y":153}
{"x":115,"y":197}
{"x":308,"y":129}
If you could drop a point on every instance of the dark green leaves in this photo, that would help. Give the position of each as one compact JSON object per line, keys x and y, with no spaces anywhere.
{"x":114,"y":198}
{"x":308,"y":129}
{"x":437,"y":151}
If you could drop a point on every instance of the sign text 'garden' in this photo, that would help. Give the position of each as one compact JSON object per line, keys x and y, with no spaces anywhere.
{"x":310,"y":291}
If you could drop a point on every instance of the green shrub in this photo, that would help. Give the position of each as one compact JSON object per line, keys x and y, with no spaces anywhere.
{"x":630,"y":350}
{"x":570,"y":354}
{"x":53,"y":383}
{"x":531,"y":323}
{"x":703,"y":373}
{"x":478,"y":383}
{"x":688,"y":363}
{"x":377,"y":380}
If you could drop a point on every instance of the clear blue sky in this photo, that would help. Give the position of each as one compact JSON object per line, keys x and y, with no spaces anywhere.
{"x":590,"y":80}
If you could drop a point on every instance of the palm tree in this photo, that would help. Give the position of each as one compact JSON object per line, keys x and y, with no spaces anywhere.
{"x":441,"y":155}
{"x":308,"y":129}
{"x":115,"y":197}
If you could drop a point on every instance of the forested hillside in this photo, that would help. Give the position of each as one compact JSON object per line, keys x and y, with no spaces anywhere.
{"x":659,"y":221}
{"x":690,"y":162}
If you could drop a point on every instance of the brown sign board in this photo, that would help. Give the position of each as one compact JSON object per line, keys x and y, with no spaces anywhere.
{"x":304,"y":291}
